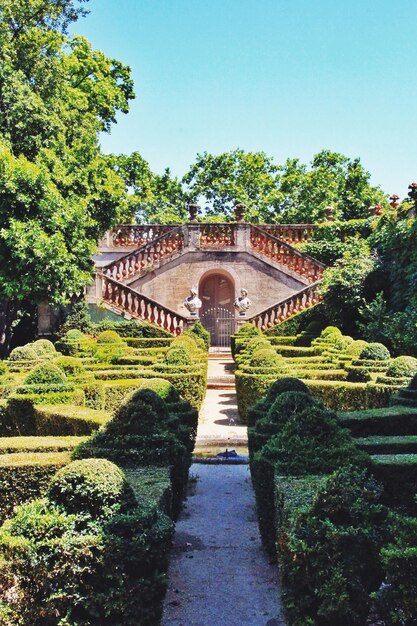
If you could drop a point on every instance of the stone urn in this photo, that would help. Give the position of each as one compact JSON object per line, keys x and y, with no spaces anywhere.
{"x":240,"y":209}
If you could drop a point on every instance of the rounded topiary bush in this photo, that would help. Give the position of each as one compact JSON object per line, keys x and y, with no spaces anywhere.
{"x":44,"y":348}
{"x":287,"y":404}
{"x":23,"y":353}
{"x":177,"y":356}
{"x":282,"y":385}
{"x":257,"y":343}
{"x":375,"y":352}
{"x":74,"y":335}
{"x":330,"y":330}
{"x":357,"y":347}
{"x":265,"y":357}
{"x":358,"y":375}
{"x":163,"y":388}
{"x":143,"y":412}
{"x":46,"y":374}
{"x":93,"y":486}
{"x":342,"y":343}
{"x":70,"y":365}
{"x":249,"y":330}
{"x":402,"y":366}
{"x":109,"y":336}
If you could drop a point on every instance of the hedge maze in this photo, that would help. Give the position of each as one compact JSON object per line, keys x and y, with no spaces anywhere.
{"x":96,"y":439}
{"x":332,"y":425}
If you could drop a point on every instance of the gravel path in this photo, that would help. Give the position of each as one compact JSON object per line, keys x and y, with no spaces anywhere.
{"x":219,"y":573}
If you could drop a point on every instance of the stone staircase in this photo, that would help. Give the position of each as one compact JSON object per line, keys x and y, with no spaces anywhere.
{"x":134,"y":252}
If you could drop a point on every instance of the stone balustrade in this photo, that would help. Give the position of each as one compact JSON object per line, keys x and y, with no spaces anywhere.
{"x":148,"y":256}
{"x":217,"y":235}
{"x":280,"y":252}
{"x":290,"y":233}
{"x":135,"y":234}
{"x":136,"y":305}
{"x":287,"y":308}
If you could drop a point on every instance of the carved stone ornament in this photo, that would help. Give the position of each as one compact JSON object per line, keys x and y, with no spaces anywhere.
{"x":192,"y":303}
{"x":242,"y":303}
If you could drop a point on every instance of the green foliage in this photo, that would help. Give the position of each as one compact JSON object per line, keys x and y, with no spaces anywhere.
{"x":163,"y":388}
{"x":23,"y":353}
{"x":94,"y":487}
{"x":265,"y":358}
{"x":177,"y":356}
{"x":44,"y":348}
{"x":343,"y":286}
{"x":290,"y":193}
{"x":402,"y":366}
{"x":24,"y":476}
{"x":375,"y":352}
{"x":329,"y":551}
{"x":46,"y":374}
{"x":396,"y":602}
{"x":109,"y":336}
{"x":358,"y":375}
{"x":78,"y":318}
{"x":70,"y":365}
{"x":199,"y":331}
{"x":132,"y":328}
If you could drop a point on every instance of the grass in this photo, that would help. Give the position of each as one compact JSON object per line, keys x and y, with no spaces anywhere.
{"x":10,"y":445}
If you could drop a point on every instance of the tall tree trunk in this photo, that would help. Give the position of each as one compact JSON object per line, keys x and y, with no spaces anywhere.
{"x":8,"y":311}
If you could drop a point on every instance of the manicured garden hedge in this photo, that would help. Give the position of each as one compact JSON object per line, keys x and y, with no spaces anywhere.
{"x":26,"y":475}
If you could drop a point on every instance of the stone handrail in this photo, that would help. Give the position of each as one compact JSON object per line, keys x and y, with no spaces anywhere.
{"x":141,"y":307}
{"x":136,"y":234}
{"x":290,"y":233}
{"x":217,"y":235}
{"x":284,"y":254}
{"x":303,"y":299}
{"x":147,"y":257}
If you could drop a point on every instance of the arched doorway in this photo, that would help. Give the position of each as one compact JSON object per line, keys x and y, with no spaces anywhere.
{"x":217,"y":314}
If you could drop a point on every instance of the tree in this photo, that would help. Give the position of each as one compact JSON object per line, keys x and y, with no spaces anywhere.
{"x":290,"y":193}
{"x":58,"y":192}
{"x":152,"y":198}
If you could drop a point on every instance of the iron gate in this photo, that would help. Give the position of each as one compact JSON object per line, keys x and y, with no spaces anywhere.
{"x":220,"y":323}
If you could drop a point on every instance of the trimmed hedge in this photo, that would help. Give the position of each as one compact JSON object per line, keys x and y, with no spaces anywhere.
{"x":148,"y":342}
{"x":152,"y":484}
{"x":114,"y":564}
{"x":398,"y":474}
{"x":24,"y":476}
{"x":22,"y":417}
{"x":384,"y":421}
{"x":10,"y":445}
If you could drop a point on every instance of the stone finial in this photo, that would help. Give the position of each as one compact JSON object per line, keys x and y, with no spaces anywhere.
{"x":394,"y":200}
{"x":377,"y":209}
{"x":193,"y":303}
{"x":242,"y":303}
{"x":329,"y":212}
{"x":193,"y":210}
{"x":413,"y":192}
{"x":240,"y":209}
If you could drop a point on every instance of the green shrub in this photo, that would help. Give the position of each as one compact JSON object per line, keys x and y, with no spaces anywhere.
{"x":199,"y":331}
{"x":329,"y":551}
{"x":24,"y":476}
{"x":109,"y":336}
{"x":357,"y":347}
{"x":46,"y":374}
{"x":396,"y":601}
{"x":3,"y":368}
{"x":113,"y":567}
{"x":402,"y":366}
{"x":23,"y":353}
{"x":92,"y":486}
{"x":398,"y":474}
{"x":177,"y":356}
{"x":44,"y":348}
{"x":132,"y":328}
{"x":75,"y":335}
{"x":265,"y":357}
{"x":330,"y":331}
{"x":115,"y":391}
{"x":248,"y":330}
{"x":375,"y":352}
{"x":10,"y":445}
{"x":358,"y":375}
{"x":70,"y":365}
{"x":381,"y":421}
{"x":163,"y":388}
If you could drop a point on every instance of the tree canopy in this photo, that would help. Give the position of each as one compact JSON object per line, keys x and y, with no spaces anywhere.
{"x":58,"y":191}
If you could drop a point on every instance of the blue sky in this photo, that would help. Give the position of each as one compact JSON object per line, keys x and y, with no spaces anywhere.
{"x":289,"y":77}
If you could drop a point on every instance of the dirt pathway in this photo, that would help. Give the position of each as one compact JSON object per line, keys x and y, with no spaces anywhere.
{"x":219,"y":573}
